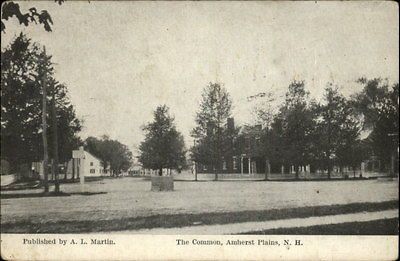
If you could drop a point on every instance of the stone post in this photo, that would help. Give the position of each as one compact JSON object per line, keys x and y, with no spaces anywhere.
{"x":249,"y":165}
{"x":195,"y":171}
{"x":241,"y":165}
{"x":267,"y":169}
{"x":362,"y":168}
{"x":82,"y":169}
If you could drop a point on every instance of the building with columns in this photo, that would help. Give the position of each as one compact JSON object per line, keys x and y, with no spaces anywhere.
{"x":244,"y":154}
{"x":241,"y":154}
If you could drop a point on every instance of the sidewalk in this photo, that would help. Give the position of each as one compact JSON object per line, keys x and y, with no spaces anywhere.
{"x":237,"y":228}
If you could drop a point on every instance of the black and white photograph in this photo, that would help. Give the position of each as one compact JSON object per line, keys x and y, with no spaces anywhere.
{"x":245,"y":121}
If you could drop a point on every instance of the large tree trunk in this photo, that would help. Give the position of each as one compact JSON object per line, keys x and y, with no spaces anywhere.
{"x":267,"y":169}
{"x":329,"y":169}
{"x":296,"y":168}
{"x":393,"y":164}
{"x":160,"y":172}
{"x":195,"y":171}
{"x":55,"y":143}
{"x":73,"y":169}
{"x":215,"y":169}
{"x":44,"y":126}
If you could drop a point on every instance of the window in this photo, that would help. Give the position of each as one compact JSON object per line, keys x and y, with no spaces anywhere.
{"x":234,"y":163}
{"x":92,"y":171}
{"x":91,"y":163}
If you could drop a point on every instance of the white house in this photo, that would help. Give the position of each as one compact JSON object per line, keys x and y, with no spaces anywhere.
{"x":136,"y":169}
{"x":84,"y":162}
{"x":81,"y":162}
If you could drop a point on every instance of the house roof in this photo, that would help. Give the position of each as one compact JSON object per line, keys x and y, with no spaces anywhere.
{"x":92,"y":155}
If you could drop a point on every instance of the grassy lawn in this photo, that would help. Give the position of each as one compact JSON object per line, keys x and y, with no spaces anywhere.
{"x":376,"y":227}
{"x":48,"y":194}
{"x":168,"y":221}
{"x":128,"y":203}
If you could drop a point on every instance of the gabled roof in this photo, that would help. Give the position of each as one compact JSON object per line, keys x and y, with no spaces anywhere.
{"x":92,"y":155}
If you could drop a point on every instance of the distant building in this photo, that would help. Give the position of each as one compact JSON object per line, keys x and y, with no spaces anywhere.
{"x":136,"y":169}
{"x":84,"y":162}
{"x":241,"y":153}
{"x":81,"y":162}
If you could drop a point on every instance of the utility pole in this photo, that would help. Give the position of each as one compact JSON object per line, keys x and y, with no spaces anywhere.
{"x":55,"y":140}
{"x":44,"y":121}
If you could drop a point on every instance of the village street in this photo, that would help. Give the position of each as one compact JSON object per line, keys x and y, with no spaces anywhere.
{"x":128,"y":197}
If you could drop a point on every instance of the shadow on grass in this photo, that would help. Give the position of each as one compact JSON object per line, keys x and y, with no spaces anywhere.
{"x":181,"y":220}
{"x":375,"y":227}
{"x":34,"y":184}
{"x":39,"y":184}
{"x":220,"y":180}
{"x":48,"y":194}
{"x":321,"y":179}
{"x":280,"y":180}
{"x":34,"y":195}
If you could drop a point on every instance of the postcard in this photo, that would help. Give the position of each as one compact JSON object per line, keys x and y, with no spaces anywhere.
{"x":199,"y":130}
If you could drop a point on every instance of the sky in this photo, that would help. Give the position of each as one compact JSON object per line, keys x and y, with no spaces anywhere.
{"x":122,"y":59}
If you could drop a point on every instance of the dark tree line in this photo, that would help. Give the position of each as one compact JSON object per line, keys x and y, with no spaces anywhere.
{"x":306,"y":132}
{"x":378,"y":103}
{"x":112,"y":153}
{"x":328,"y":133}
{"x":25,"y":68}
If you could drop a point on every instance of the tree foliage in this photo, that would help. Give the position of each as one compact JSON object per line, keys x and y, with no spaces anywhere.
{"x":112,"y":153}
{"x":211,"y":124}
{"x":163,"y":146}
{"x":379,"y":105}
{"x":12,"y":9}
{"x":337,"y":131}
{"x":297,"y":125}
{"x":23,"y":68}
{"x":328,"y":133}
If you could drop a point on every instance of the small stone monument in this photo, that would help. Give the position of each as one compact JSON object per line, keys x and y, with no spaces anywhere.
{"x":162,"y":183}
